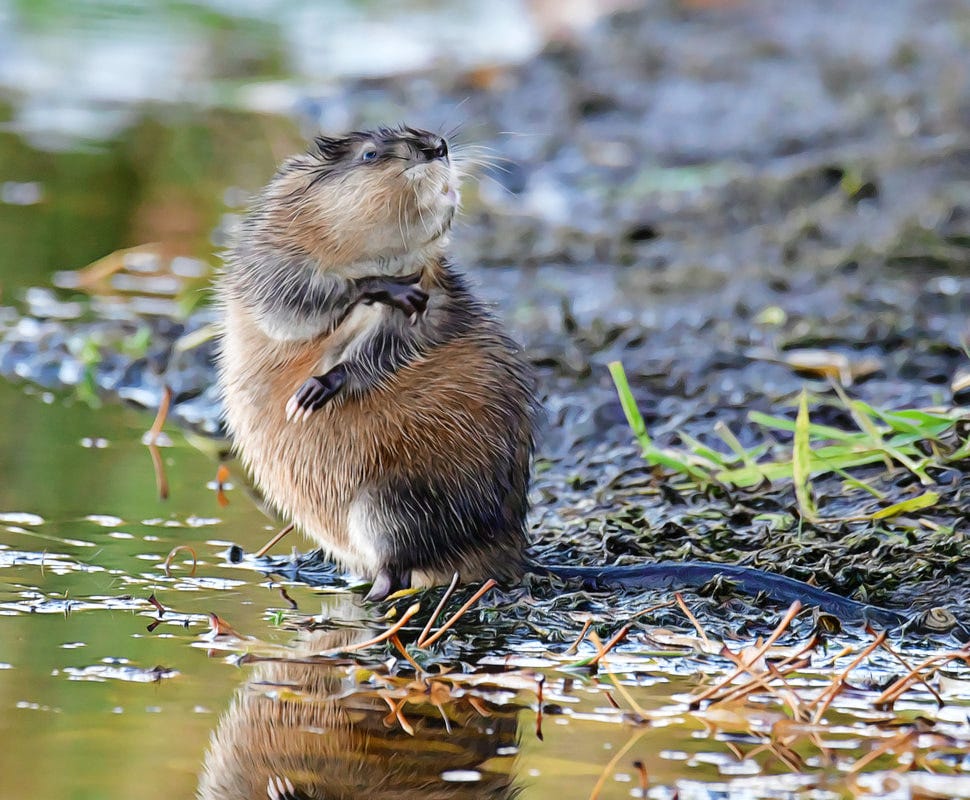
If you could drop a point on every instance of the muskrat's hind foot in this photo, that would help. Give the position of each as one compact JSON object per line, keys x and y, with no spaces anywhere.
{"x":387,"y":581}
{"x":315,"y":393}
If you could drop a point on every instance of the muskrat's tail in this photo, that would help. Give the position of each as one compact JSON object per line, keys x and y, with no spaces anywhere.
{"x":694,"y":574}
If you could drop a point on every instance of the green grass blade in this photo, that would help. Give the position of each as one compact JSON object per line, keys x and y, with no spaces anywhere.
{"x":677,"y":462}
{"x":924,"y":500}
{"x":633,"y":416}
{"x":802,"y":462}
{"x":818,"y":431}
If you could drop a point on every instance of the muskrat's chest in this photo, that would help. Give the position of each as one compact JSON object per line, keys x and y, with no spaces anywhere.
{"x":320,"y":461}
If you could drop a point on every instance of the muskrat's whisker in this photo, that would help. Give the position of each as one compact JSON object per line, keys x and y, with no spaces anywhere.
{"x":417,"y":204}
{"x":485,"y":153}
{"x":480,"y":148}
{"x":459,"y":126}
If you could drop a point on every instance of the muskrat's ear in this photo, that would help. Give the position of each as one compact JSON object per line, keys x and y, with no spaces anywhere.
{"x":331,"y":149}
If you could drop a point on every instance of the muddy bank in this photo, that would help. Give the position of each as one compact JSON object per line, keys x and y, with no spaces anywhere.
{"x":697,"y":193}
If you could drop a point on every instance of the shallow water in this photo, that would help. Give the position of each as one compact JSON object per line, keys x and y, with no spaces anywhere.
{"x":93,"y":705}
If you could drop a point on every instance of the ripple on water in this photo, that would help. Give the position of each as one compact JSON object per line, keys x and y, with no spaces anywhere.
{"x":101,"y":673}
{"x":21,"y":518}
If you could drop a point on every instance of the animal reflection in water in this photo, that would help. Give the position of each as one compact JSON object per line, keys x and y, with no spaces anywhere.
{"x":296,"y":731}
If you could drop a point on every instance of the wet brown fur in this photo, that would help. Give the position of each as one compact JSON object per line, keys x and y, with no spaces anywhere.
{"x":454,"y":415}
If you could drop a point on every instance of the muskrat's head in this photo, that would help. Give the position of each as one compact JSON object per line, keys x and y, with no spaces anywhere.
{"x":380,"y":195}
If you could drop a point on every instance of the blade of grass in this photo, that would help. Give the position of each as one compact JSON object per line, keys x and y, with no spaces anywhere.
{"x":863,"y":414}
{"x":857,"y":484}
{"x":728,"y":437}
{"x":818,"y":431}
{"x":652,"y":454}
{"x":698,"y":448}
{"x":801,"y":462}
{"x":924,"y":500}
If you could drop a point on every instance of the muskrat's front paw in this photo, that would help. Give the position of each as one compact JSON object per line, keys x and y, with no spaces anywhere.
{"x":409,"y":298}
{"x":279,"y":787}
{"x":313,"y":395}
{"x":412,"y":300}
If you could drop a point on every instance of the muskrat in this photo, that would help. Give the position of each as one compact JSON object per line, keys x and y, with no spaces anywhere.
{"x":376,"y":401}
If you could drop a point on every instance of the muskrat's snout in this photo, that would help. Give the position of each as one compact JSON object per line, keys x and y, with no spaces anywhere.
{"x":438,"y":151}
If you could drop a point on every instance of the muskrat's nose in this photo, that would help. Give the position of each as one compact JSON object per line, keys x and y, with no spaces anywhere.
{"x":433,"y":151}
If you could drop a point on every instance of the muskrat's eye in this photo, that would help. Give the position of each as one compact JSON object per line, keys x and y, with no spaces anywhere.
{"x":369,"y":154}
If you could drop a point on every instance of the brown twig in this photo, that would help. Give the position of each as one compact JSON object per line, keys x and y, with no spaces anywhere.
{"x":913,"y":672}
{"x":438,"y":609}
{"x":641,"y":769}
{"x":397,"y":713}
{"x":892,"y":693}
{"x":222,"y":477}
{"x":151,"y":440}
{"x":691,"y":617}
{"x":155,"y":430}
{"x":745,"y":666}
{"x":265,"y":548}
{"x":610,"y":644}
{"x":540,"y":685}
{"x":593,"y":795}
{"x":377,"y":639}
{"x":459,"y":613}
{"x":825,"y":698}
{"x":285,"y":595}
{"x":479,"y":705}
{"x":396,"y":641}
{"x":159,"y":607}
{"x":641,"y":714}
{"x":574,"y":647}
{"x":171,"y":554}
{"x":896,"y":742}
{"x":793,"y":662}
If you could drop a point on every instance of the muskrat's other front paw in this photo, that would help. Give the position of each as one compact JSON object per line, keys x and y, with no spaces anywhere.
{"x":411,"y":300}
{"x":406,"y":297}
{"x":314,"y":394}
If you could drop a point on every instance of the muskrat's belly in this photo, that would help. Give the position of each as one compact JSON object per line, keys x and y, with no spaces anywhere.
{"x":379,"y":479}
{"x":313,"y":473}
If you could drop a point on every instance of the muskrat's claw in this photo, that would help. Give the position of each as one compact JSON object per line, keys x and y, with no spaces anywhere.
{"x":279,"y":787}
{"x":314,"y":394}
{"x":411,"y":300}
{"x":406,"y":297}
{"x":387,"y":581}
